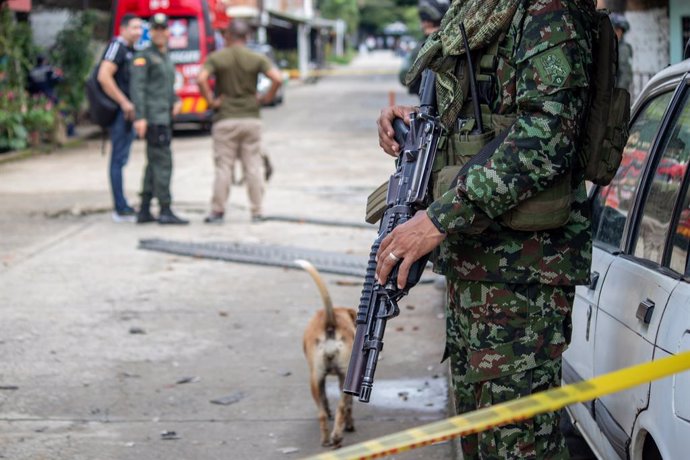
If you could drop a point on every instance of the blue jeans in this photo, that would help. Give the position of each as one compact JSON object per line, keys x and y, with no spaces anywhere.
{"x":121,"y":138}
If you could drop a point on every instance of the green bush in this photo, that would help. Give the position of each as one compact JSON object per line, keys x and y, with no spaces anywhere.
{"x":72,"y":53}
{"x":40,"y":116}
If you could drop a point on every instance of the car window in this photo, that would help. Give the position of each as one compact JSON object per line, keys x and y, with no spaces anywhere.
{"x":663,"y":191}
{"x":612,"y":203}
{"x":681,"y":235}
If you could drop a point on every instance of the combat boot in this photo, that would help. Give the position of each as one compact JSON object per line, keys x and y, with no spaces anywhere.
{"x":167,"y":217}
{"x":144,"y":215}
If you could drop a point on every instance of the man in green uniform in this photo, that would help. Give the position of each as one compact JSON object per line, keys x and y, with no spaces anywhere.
{"x":510,"y":291}
{"x":153,"y":95}
{"x":624,"y":75}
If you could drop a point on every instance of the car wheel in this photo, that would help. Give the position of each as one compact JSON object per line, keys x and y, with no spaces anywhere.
{"x":650,"y":451}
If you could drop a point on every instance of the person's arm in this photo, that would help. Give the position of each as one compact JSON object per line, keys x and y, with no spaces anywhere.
{"x":276,"y":78}
{"x":106,"y":78}
{"x":137,"y":90}
{"x":204,"y":86}
{"x":175,"y":101}
{"x":541,"y":146}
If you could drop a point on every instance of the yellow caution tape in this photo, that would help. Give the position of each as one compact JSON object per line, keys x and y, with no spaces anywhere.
{"x":295,"y":73}
{"x":512,"y":411}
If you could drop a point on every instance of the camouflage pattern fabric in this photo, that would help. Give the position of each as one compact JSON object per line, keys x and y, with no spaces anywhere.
{"x":484,"y":20}
{"x":505,"y":342}
{"x":511,"y":292}
{"x":542,"y":78}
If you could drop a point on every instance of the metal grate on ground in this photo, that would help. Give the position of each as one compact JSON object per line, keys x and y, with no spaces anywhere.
{"x":267,"y":254}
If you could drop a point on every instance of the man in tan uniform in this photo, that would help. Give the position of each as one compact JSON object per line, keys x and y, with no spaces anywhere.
{"x":236,"y":124}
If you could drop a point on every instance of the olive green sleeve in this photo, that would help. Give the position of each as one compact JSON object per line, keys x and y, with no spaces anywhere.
{"x":137,"y":84}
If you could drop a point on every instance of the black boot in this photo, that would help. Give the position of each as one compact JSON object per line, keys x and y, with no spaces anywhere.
{"x":144,"y":215}
{"x":167,"y":217}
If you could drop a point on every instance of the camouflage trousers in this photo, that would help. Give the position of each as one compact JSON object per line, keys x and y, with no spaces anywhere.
{"x":505,"y":341}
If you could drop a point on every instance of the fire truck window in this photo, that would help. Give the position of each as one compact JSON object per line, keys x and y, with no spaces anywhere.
{"x":184,"y":40}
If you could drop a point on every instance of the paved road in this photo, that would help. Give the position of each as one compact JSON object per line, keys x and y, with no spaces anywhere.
{"x":73,"y":286}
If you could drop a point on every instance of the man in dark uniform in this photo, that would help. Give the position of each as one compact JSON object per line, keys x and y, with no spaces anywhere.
{"x":153,"y":94}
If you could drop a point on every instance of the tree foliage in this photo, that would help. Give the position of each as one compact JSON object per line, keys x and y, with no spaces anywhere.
{"x":73,"y":54}
{"x":371,"y":16}
{"x":377,"y":14}
{"x":346,"y":10}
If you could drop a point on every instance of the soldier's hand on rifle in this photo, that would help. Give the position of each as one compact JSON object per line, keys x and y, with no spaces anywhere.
{"x":140,"y":128}
{"x":385,"y":124}
{"x":407,"y":242}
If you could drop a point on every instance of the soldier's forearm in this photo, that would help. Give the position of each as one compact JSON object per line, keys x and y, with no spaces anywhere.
{"x":205,"y":90}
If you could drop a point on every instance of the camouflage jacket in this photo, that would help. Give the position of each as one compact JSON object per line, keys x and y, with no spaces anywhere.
{"x":542,"y":79}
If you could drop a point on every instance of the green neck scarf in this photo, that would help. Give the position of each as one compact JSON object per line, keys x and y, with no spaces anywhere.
{"x":484,"y":21}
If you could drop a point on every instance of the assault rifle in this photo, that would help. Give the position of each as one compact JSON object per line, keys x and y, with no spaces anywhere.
{"x":408,"y":192}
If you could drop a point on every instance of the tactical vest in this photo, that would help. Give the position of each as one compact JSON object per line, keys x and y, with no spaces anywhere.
{"x":546,"y":210}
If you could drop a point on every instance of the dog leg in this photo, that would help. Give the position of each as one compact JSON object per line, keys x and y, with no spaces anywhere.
{"x":316,"y":393}
{"x":343,"y":416}
{"x":324,"y":399}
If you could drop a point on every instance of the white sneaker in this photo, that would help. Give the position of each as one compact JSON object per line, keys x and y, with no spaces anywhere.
{"x":119,"y":218}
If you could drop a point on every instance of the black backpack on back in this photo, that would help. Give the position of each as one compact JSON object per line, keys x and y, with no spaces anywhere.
{"x":606,"y":129}
{"x":102,"y":109}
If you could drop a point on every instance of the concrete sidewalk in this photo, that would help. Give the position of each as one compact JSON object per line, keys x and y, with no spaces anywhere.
{"x":96,"y":333}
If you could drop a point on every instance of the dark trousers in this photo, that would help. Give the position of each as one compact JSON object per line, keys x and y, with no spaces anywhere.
{"x":158,"y":167}
{"x":121,"y":137}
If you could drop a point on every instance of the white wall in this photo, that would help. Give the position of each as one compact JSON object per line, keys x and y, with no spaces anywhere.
{"x":649,"y":38}
{"x":46,"y":24}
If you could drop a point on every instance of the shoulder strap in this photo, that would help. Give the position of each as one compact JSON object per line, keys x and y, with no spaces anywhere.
{"x":481,"y":157}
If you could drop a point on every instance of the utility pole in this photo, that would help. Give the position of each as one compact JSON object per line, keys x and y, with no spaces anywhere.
{"x":261,"y":35}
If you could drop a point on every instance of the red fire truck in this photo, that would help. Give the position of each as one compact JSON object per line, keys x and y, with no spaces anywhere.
{"x":194,"y":26}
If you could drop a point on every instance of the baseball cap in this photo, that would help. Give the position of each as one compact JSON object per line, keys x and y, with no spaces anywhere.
{"x":433,"y":10}
{"x":159,"y":20}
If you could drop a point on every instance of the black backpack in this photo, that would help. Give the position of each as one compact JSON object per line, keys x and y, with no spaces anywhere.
{"x":102,"y":109}
{"x":606,"y":128}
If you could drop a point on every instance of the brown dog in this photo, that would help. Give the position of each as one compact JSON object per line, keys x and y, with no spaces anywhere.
{"x":327,"y":345}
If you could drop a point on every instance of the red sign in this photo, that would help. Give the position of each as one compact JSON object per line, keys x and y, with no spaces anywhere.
{"x":22,"y":6}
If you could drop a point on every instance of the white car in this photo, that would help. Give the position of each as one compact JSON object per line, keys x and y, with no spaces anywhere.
{"x":637,"y":307}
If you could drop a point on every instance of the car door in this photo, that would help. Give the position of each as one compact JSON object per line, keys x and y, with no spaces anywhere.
{"x":638,"y":283}
{"x":611,"y":206}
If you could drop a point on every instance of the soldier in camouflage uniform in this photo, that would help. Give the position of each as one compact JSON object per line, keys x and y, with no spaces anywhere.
{"x":510,"y":292}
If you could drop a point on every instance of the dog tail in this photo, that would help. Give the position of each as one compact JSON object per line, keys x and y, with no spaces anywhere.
{"x":323,"y":290}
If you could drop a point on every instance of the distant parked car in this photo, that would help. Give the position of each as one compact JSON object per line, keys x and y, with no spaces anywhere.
{"x":264,"y":83}
{"x":637,"y":307}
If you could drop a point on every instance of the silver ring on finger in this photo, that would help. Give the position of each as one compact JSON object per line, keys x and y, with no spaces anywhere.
{"x":394,"y":257}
